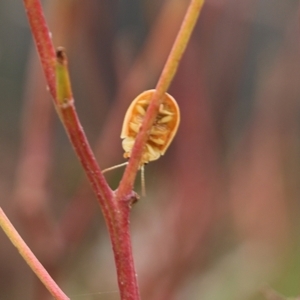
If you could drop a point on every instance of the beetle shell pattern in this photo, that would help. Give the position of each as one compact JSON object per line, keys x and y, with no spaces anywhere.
{"x":162,"y":131}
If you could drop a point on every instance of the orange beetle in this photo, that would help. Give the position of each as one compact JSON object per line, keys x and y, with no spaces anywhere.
{"x":162,"y":131}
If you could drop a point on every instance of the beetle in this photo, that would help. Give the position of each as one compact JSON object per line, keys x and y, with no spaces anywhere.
{"x":161,"y":133}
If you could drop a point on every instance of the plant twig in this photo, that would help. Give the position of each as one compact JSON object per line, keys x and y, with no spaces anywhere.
{"x":43,"y":40}
{"x":116,"y":213}
{"x":66,"y":110}
{"x":30,"y":258}
{"x":151,"y":57}
{"x":162,"y":86}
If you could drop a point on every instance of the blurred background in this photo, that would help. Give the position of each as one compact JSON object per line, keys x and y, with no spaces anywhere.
{"x":221,"y":219}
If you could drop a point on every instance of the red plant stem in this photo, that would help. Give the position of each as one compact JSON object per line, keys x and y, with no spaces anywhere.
{"x":30,"y":258}
{"x":82,"y":148}
{"x":42,"y":37}
{"x":116,"y":214}
{"x":67,"y":112}
{"x":168,"y":73}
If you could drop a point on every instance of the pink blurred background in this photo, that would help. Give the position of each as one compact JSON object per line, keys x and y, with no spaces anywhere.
{"x":221,"y":216}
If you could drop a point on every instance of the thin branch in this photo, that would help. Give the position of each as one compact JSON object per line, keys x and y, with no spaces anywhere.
{"x":66,"y":110}
{"x":43,"y":41}
{"x":116,"y":214}
{"x":117,"y":218}
{"x":30,"y":258}
{"x":168,"y":73}
{"x":152,"y":56}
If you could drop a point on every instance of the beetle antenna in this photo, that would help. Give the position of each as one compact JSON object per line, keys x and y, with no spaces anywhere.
{"x":115,"y":167}
{"x":143,"y":181}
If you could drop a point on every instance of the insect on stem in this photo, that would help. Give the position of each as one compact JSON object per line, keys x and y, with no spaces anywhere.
{"x":161,"y":134}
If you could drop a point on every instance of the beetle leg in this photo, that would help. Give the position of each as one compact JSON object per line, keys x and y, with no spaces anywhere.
{"x":156,"y":140}
{"x":140,"y":109}
{"x":165,"y":119}
{"x":135,"y":127}
{"x":164,"y":111}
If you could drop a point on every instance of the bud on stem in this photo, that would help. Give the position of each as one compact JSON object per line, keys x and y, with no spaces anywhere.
{"x":64,"y":95}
